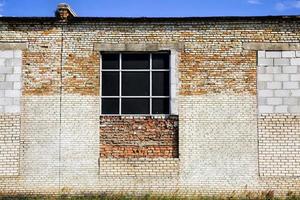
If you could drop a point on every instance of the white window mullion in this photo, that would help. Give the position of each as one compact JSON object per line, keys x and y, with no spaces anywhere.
{"x":150,"y":83}
{"x":120,"y":84}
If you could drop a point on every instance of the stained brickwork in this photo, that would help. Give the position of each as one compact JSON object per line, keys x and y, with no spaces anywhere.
{"x":135,"y":137}
{"x":217,"y":108}
{"x":42,"y":60}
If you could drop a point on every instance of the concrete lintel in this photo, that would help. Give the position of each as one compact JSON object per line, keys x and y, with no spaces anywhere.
{"x":272,"y":46}
{"x":138,"y":47}
{"x":13,"y":46}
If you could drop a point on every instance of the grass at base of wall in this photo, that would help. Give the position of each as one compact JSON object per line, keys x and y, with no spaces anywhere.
{"x":104,"y":196}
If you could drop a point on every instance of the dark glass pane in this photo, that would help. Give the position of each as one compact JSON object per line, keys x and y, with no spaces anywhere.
{"x":160,"y":84}
{"x":135,"y":106}
{"x":110,"y":84}
{"x":110,"y":106}
{"x":135,"y":61}
{"x":160,"y":61}
{"x":135,"y":84}
{"x":110,"y":61}
{"x":160,"y":106}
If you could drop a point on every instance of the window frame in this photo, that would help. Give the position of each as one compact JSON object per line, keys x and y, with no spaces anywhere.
{"x":150,"y":70}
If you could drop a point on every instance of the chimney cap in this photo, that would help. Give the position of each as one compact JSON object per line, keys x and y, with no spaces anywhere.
{"x":64,"y":11}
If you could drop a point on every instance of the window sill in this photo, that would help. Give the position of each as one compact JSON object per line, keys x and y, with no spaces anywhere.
{"x":165,"y":116}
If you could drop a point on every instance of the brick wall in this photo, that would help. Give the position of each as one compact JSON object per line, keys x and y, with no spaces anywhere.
{"x":278,"y":104}
{"x":10,"y":92}
{"x":279,"y":141}
{"x":137,"y":137}
{"x":279,"y":81}
{"x":10,"y":81}
{"x":9,"y":144}
{"x":217,"y":138}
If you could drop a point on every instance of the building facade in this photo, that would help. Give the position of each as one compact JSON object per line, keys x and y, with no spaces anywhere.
{"x":191,"y":105}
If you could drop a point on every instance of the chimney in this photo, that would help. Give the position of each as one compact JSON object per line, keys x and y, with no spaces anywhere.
{"x":64,"y":12}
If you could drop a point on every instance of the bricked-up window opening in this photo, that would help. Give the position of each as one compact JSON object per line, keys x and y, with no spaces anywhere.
{"x":135,"y":83}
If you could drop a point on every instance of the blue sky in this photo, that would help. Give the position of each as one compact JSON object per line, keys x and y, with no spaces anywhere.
{"x":153,"y":8}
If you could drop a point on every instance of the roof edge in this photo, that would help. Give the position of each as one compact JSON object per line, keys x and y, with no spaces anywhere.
{"x":155,"y":19}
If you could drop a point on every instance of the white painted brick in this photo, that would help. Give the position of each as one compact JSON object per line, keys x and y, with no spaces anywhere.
{"x":17,"y":62}
{"x":281,"y":109}
{"x":2,"y":77}
{"x":262,"y":101}
{"x":295,"y":61}
{"x":261,"y":85}
{"x":17,"y":70}
{"x":12,"y":93}
{"x":2,"y":61}
{"x":6,"y":101}
{"x":16,"y":101}
{"x":12,"y":109}
{"x":295,"y":93}
{"x":273,"y":69}
{"x":290,"y":85}
{"x":288,"y":54}
{"x":260,"y":69}
{"x":274,"y":85}
{"x":265,"y":93}
{"x":13,"y":77}
{"x":17,"y":85}
{"x":281,"y":77}
{"x":265,"y":61}
{"x":273,"y":54}
{"x":6,"y":54}
{"x":295,"y":77}
{"x":265,"y":77}
{"x":6,"y":70}
{"x":274,"y":101}
{"x":294,"y":109}
{"x":6,"y":85}
{"x":289,"y":69}
{"x":282,"y":93}
{"x":261,"y":54}
{"x":265,"y":109}
{"x":281,"y":61}
{"x":17,"y":54}
{"x":290,"y":101}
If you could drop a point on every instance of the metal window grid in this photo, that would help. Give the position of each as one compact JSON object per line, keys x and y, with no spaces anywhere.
{"x":150,"y":97}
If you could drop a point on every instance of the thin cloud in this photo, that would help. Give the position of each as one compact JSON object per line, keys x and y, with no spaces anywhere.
{"x":296,"y":4}
{"x":254,"y":2}
{"x":2,"y":3}
{"x":285,"y":5}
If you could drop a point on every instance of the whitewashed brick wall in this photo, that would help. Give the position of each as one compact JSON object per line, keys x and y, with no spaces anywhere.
{"x":10,"y":92}
{"x":9,"y":144}
{"x":218,"y":142}
{"x":279,"y":141}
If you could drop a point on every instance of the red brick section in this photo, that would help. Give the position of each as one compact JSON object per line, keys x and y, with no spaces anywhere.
{"x":81,"y":74}
{"x":138,"y":137}
{"x":213,"y":60}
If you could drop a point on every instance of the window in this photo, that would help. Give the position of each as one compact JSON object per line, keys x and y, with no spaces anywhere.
{"x":135,"y":83}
